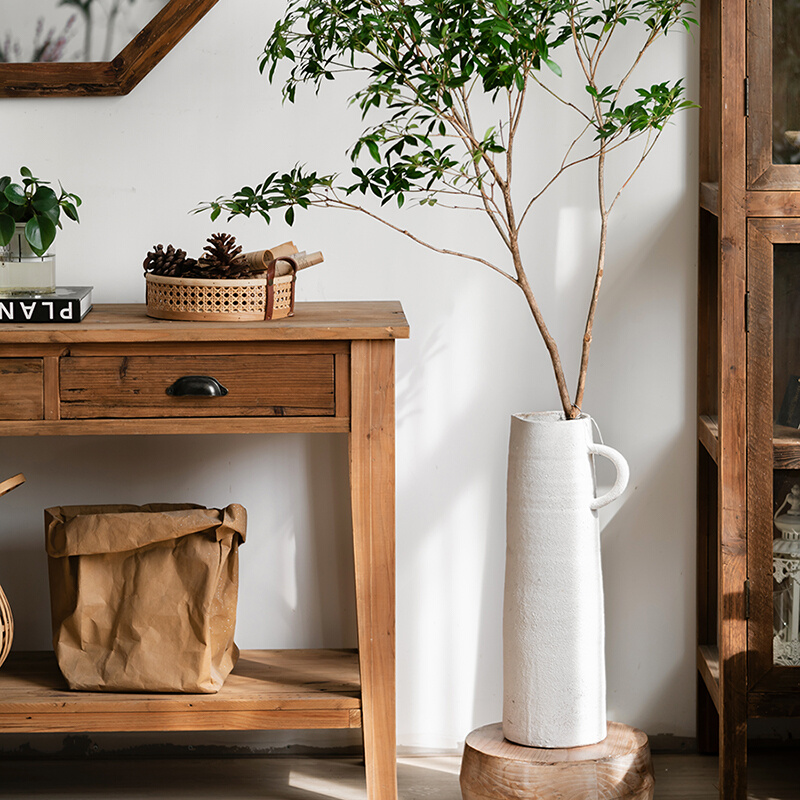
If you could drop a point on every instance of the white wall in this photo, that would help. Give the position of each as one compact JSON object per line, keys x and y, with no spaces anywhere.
{"x":204,"y":123}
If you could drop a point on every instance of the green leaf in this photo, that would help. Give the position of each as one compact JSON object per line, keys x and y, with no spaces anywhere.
{"x":289,"y":215}
{"x":372,"y":146}
{"x":25,"y":172}
{"x":44,"y":199}
{"x":15,"y":194}
{"x":553,"y":66}
{"x":7,"y":226}
{"x":71,"y":211}
{"x":40,"y":233}
{"x":53,"y":214}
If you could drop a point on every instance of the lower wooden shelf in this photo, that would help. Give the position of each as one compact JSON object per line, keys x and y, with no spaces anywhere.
{"x":268,"y":690}
{"x":785,"y":442}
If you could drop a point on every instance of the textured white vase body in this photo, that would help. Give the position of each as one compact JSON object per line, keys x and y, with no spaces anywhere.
{"x":554,"y":682}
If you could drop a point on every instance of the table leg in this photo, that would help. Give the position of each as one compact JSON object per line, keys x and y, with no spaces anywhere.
{"x":372,"y":490}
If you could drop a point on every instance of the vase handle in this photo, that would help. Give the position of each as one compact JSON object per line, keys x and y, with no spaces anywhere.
{"x":623,"y":473}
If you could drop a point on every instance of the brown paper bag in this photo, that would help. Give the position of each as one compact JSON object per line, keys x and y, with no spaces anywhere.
{"x":143,"y":598}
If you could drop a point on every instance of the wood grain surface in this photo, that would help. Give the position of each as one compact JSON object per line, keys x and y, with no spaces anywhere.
{"x":618,"y":767}
{"x":268,"y":689}
{"x":372,"y":482}
{"x":322,"y":321}
{"x":136,"y":386}
{"x":731,"y":49}
{"x":22,"y":393}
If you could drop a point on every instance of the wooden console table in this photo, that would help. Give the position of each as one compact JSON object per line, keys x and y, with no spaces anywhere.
{"x":330,"y":368}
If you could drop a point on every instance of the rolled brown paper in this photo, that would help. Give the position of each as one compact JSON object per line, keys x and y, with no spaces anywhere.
{"x":259,"y":259}
{"x":296,"y":262}
{"x":304,"y":259}
{"x":285,"y":266}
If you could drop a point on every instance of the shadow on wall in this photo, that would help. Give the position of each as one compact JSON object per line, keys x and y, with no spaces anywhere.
{"x":648,"y":571}
{"x":445,"y":489}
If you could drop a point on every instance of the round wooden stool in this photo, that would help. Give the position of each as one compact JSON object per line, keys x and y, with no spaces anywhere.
{"x":495,"y":769}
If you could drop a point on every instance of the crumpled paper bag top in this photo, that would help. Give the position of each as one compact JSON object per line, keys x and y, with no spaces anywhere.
{"x":85,"y":530}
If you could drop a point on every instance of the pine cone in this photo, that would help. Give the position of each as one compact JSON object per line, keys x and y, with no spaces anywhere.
{"x":222,"y":258}
{"x":171,"y":263}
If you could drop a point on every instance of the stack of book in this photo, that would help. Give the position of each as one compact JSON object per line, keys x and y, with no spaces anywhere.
{"x":65,"y":304}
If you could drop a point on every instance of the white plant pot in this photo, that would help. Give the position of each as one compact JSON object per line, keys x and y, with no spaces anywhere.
{"x":554,"y":682}
{"x":22,"y":271}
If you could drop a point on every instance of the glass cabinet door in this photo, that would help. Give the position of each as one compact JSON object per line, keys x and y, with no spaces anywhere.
{"x":773,"y":458}
{"x":786,"y":82}
{"x":773,"y":94}
{"x":786,"y":483}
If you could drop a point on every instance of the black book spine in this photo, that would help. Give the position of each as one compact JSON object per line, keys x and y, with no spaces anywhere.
{"x":20,"y":309}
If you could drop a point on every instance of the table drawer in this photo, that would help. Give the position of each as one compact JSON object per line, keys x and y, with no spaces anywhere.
{"x":21,"y":388}
{"x":94,"y":387}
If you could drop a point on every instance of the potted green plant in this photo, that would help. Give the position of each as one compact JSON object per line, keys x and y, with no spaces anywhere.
{"x":30,"y":214}
{"x":446,"y":87}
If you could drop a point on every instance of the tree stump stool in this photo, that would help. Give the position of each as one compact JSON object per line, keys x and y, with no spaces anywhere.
{"x":618,"y":767}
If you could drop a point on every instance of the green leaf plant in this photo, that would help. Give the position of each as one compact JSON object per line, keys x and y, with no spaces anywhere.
{"x":426,"y":68}
{"x":34,"y":203}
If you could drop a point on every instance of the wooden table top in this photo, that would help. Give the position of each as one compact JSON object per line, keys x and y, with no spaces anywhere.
{"x":332,"y":320}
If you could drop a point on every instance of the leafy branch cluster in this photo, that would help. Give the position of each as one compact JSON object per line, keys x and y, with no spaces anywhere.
{"x":427,"y":66}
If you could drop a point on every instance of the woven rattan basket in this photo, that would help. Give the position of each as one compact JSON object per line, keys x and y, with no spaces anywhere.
{"x":220,"y":300}
{"x":6,"y":618}
{"x":6,"y":626}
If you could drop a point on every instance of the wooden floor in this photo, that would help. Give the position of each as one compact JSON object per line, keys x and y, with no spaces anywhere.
{"x":692,"y":777}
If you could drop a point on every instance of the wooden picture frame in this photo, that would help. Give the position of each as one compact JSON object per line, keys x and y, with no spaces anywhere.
{"x":116,"y":77}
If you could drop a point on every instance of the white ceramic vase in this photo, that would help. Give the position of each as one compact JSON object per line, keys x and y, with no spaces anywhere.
{"x":554,"y":683}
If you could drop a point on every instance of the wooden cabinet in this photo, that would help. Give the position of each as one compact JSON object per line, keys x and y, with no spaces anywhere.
{"x":748,"y":357}
{"x":330,"y":368}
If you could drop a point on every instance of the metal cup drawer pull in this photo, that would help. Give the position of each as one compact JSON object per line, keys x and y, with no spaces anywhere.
{"x":197,"y":386}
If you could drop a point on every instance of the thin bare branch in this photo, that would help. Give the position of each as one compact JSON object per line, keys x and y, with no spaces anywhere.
{"x":333,"y":201}
{"x":465,"y":127}
{"x":560,"y":99}
{"x":550,"y":344}
{"x":492,"y":209}
{"x":648,"y":148}
{"x":562,"y":169}
{"x":598,"y":279}
{"x":653,"y":36}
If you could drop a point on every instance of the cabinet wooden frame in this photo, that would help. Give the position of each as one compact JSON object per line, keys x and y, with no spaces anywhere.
{"x":722,"y":432}
{"x":769,"y":448}
{"x":748,"y":206}
{"x":269,"y":689}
